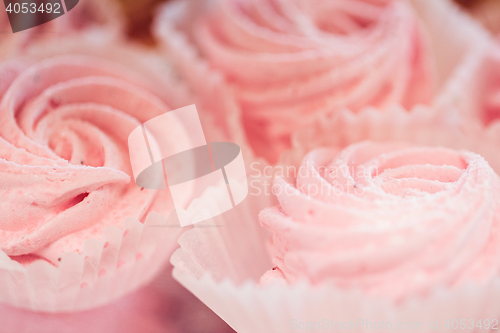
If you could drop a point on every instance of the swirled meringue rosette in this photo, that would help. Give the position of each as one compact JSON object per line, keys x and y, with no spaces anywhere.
{"x":288,"y":62}
{"x":241,"y":34}
{"x":76,"y":232}
{"x":399,"y":234}
{"x":392,"y":219}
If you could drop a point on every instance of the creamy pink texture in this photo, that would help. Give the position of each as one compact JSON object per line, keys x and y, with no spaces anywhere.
{"x":388,"y":218}
{"x":485,"y":89}
{"x":291,"y":61}
{"x":64,"y":163}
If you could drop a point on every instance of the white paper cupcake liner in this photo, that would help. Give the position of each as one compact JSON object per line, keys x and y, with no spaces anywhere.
{"x":124,"y":258}
{"x":424,"y":125}
{"x":454,"y":36}
{"x":108,"y":268}
{"x":461,"y":45}
{"x":222,"y":266}
{"x":464,"y":93}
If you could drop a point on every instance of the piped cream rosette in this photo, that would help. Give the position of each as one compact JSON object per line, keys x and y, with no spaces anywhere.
{"x":76,"y":231}
{"x":222,"y":266}
{"x":290,"y":60}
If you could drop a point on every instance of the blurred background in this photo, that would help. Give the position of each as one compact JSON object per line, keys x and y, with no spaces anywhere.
{"x":486,"y":11}
{"x":140,"y":14}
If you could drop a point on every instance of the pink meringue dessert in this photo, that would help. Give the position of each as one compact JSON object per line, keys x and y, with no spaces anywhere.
{"x":289,"y":62}
{"x":390,"y":219}
{"x":72,"y":233}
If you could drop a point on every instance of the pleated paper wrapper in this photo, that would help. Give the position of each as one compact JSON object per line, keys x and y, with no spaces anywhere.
{"x":221,"y":260}
{"x":108,"y":268}
{"x":221,"y":264}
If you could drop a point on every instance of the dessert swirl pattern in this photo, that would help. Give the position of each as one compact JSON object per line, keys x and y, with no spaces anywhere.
{"x":64,"y":124}
{"x":391,"y":219}
{"x":289,"y":62}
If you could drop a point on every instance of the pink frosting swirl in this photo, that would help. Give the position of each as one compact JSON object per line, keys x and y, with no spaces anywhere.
{"x":291,"y":61}
{"x":64,"y":162}
{"x":388,"y":218}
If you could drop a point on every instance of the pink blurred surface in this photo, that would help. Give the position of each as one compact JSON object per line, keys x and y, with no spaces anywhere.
{"x":164,"y":306}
